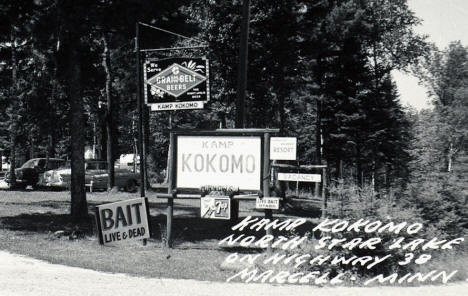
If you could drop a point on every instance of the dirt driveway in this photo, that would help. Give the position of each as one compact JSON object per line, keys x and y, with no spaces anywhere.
{"x":25,"y":276}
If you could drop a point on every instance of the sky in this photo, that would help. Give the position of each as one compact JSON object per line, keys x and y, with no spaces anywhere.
{"x":443,"y":21}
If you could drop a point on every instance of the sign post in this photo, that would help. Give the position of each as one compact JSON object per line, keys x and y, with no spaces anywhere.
{"x":266,"y":180}
{"x":235,"y":160}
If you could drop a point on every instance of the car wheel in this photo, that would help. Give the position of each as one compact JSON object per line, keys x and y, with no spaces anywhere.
{"x":131,"y":186}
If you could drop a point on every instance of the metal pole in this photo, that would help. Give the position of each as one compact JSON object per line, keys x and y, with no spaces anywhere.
{"x":242,"y":72}
{"x":140,"y":113}
{"x":266,"y":179}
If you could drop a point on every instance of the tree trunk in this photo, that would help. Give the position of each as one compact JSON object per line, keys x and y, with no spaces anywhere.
{"x":109,"y":114}
{"x":79,"y":207}
{"x":359,"y":171}
{"x":14,"y":101}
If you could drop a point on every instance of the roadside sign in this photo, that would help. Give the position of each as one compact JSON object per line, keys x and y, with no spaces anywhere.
{"x":283,"y":148}
{"x":231,"y":161}
{"x":176,"y":83}
{"x":177,"y":106}
{"x":269,"y":203}
{"x":123,"y":221}
{"x":300,"y":177}
{"x":215,"y":207}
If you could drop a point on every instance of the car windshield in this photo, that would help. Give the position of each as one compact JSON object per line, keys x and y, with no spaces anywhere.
{"x":30,"y":164}
{"x":96,"y":165}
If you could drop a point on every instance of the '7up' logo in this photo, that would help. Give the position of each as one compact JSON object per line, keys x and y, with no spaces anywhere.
{"x":215,"y":207}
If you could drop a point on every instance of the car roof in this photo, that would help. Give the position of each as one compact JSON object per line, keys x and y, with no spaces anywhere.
{"x":50,"y":158}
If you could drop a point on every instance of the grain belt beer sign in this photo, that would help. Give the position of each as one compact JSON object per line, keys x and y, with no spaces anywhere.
{"x":123,"y":221}
{"x":176,"y":83}
{"x":215,"y":207}
{"x":228,"y":161}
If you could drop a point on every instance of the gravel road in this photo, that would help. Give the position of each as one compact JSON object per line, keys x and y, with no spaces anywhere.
{"x":21,"y":275}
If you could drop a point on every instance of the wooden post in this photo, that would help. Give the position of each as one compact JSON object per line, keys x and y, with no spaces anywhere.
{"x":140,"y":113}
{"x":242,"y":71}
{"x":324,"y":197}
{"x":266,"y":179}
{"x":171,"y":190}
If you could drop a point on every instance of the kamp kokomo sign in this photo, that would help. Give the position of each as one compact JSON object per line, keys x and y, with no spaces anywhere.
{"x":176,"y":83}
{"x":232,"y":161}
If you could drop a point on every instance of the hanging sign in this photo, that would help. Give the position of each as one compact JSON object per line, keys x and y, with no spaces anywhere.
{"x":232,"y":161}
{"x":283,"y":148}
{"x":216,"y":207}
{"x":300,"y":177}
{"x":268,"y":203}
{"x":123,"y":221}
{"x":176,"y":83}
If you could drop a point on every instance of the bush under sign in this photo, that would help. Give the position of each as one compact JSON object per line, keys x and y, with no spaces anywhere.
{"x":218,"y":207}
{"x":123,"y":221}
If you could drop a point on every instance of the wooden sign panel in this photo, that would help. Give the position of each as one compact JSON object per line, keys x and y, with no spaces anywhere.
{"x":123,"y":221}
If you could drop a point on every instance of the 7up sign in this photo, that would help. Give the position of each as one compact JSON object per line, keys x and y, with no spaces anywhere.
{"x":176,"y":83}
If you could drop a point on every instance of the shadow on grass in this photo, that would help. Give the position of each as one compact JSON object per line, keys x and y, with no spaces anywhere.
{"x":187,"y":225}
{"x":45,"y":222}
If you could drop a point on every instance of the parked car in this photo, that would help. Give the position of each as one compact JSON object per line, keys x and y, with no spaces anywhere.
{"x":95,"y":174}
{"x":29,"y":172}
{"x":5,"y":164}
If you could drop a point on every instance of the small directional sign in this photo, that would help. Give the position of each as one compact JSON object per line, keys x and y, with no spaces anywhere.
{"x":300,"y":177}
{"x":268,"y":203}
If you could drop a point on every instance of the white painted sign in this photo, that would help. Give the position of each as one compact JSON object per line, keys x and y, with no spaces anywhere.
{"x":283,"y":148}
{"x":123,"y":221}
{"x":176,"y":106}
{"x":216,"y":207}
{"x":219,"y":161}
{"x":269,"y":203}
{"x":300,"y":177}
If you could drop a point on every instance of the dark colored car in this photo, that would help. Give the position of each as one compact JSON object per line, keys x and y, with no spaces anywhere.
{"x":28,"y":173}
{"x":95,"y":174}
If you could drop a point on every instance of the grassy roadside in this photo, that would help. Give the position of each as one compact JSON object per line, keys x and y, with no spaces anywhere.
{"x":29,"y":219}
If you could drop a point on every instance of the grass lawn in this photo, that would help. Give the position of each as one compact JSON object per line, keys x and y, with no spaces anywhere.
{"x":29,"y":219}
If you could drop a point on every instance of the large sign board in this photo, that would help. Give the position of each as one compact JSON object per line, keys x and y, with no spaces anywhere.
{"x":215,"y":207}
{"x":228,"y":161}
{"x":283,"y":148}
{"x":300,"y":177}
{"x":176,"y":83}
{"x":123,"y":221}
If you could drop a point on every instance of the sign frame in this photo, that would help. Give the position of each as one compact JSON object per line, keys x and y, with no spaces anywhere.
{"x":171,"y":98}
{"x":216,"y":134}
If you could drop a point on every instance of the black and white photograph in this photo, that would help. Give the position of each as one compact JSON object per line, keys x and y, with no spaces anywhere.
{"x":234,"y":147}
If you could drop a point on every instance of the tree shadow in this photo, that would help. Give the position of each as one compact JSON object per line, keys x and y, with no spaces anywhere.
{"x":187,"y":226}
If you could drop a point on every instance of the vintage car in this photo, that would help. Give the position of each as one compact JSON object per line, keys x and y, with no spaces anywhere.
{"x":29,"y":172}
{"x":95,"y":177}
